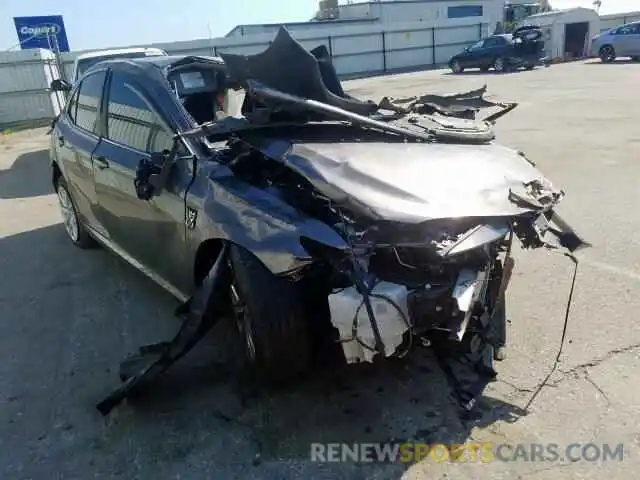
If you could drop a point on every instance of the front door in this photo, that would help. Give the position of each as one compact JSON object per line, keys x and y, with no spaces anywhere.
{"x":150,"y":232}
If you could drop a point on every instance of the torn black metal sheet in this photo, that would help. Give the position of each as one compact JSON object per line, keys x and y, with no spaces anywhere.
{"x":203,"y":310}
{"x":302,"y":78}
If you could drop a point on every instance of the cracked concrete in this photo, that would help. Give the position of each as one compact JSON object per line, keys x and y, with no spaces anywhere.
{"x":71,"y":316}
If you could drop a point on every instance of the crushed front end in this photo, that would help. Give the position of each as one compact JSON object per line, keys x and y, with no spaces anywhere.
{"x":439,"y":283}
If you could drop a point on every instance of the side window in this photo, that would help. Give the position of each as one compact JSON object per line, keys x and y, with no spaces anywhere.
{"x":493,"y":42}
{"x":477,"y":45}
{"x":131,"y":122}
{"x":89,"y":95}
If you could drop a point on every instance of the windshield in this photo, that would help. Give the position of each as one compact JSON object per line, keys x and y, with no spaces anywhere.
{"x":84,"y":64}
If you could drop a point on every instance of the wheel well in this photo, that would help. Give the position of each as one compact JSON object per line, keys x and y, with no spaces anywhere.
{"x":55,"y":174}
{"x":206,"y":256}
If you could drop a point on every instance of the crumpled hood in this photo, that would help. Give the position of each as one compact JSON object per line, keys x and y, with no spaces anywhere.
{"x":418,"y":181}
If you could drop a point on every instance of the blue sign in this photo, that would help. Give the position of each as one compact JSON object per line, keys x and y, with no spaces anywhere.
{"x":42,"y":32}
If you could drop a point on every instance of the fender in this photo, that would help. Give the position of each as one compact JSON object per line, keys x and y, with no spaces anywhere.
{"x":232,"y":210}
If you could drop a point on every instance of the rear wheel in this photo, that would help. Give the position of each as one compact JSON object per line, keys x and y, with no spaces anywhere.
{"x":72,"y":224}
{"x":635,"y":59}
{"x":528,"y":67}
{"x":269,"y":315}
{"x":607,"y":54}
{"x":456,"y":67}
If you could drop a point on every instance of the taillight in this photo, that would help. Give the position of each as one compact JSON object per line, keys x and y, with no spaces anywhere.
{"x":220,"y":100}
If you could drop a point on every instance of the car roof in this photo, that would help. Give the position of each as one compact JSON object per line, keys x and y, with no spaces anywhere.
{"x":154,"y":65}
{"x":117,"y":51}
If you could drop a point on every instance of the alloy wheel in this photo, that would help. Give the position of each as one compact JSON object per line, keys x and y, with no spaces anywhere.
{"x":607,"y":54}
{"x":455,"y":67}
{"x":499,"y":65}
{"x":69,"y":217}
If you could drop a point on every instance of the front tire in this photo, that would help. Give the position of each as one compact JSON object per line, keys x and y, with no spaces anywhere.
{"x":607,"y":54}
{"x":270,"y":317}
{"x":76,"y":231}
{"x":456,"y":67}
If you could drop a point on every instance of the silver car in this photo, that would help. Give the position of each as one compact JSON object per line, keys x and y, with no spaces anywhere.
{"x":623,"y":41}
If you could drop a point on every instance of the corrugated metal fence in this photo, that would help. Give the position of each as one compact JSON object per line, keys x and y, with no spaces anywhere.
{"x":24,"y":82}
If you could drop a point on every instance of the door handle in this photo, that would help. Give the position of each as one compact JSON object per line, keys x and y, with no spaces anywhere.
{"x":61,"y":140}
{"x":101,"y":162}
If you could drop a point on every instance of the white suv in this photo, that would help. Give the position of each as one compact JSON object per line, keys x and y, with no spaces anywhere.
{"x":86,"y":60}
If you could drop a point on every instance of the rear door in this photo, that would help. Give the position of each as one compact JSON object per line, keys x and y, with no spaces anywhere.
{"x":150,"y":232}
{"x":76,"y":137}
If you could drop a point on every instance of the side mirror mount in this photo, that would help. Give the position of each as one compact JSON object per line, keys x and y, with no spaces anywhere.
{"x":60,"y":85}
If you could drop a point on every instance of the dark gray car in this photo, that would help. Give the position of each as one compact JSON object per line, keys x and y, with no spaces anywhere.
{"x":313,"y":219}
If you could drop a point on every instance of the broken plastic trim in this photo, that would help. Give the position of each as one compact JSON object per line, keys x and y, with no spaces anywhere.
{"x":201,"y":313}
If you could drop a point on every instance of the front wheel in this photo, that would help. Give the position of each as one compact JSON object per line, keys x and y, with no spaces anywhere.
{"x":607,"y":54}
{"x":270,"y":317}
{"x":456,"y":67}
{"x":529,"y":67}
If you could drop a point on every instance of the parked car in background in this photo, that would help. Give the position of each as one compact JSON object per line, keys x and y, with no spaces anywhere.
{"x":86,"y":60}
{"x":522,"y":48}
{"x":622,"y":41}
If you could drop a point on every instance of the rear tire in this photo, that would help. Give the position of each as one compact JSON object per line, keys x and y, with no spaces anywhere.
{"x":607,"y":54}
{"x":270,"y":317}
{"x":500,"y":65}
{"x":76,"y":231}
{"x":635,"y":59}
{"x":529,"y":67}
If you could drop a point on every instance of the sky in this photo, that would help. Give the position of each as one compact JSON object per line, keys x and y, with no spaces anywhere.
{"x":111,"y":23}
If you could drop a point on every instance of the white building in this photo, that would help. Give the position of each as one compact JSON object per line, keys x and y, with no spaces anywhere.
{"x":567,"y":32}
{"x":613,"y":20}
{"x":341,"y":19}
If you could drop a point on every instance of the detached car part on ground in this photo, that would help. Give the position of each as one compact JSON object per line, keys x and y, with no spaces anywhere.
{"x":524,"y":48}
{"x":376,"y":226}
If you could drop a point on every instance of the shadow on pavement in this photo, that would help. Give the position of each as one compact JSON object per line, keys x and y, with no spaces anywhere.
{"x":29,"y":176}
{"x":77,"y":314}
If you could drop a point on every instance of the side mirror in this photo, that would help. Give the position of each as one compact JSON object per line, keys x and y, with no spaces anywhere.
{"x":151,"y":174}
{"x":60,"y":85}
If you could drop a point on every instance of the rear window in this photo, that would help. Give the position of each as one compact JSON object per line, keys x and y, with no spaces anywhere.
{"x":83,"y":65}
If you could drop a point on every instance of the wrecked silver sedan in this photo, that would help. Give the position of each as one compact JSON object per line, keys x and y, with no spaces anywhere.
{"x":379,"y":226}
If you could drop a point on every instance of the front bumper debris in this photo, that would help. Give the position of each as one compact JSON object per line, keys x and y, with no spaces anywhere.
{"x":200,"y":313}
